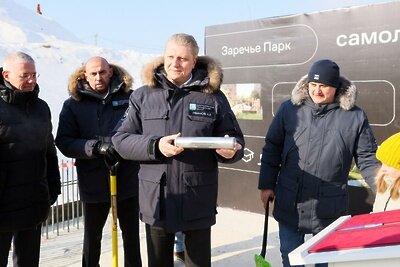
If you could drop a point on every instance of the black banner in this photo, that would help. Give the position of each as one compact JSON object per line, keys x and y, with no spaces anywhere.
{"x":263,"y":59}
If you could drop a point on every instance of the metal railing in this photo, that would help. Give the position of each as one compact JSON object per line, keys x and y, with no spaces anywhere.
{"x":67,"y":211}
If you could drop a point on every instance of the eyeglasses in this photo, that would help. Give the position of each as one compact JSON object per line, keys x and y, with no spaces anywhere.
{"x":27,"y":76}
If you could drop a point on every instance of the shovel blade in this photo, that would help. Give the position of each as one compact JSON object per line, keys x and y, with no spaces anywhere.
{"x":260,"y":261}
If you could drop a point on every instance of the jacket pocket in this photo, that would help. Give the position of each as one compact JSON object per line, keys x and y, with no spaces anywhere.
{"x":332,"y":201}
{"x":204,"y":119}
{"x":199,"y":125}
{"x":286,"y":194}
{"x":154,"y":114}
{"x":154,"y":121}
{"x":200,"y":196}
{"x":150,"y":192}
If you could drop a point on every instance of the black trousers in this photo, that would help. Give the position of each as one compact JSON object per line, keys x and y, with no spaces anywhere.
{"x":160,"y":247}
{"x":95,"y":219}
{"x":26,"y":247}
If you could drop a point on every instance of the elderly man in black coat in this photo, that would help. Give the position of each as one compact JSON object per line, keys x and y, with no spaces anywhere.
{"x":29,"y":173}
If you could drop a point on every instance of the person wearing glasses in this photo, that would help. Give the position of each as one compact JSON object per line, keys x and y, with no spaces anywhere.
{"x":29,"y":174}
{"x":99,"y":94}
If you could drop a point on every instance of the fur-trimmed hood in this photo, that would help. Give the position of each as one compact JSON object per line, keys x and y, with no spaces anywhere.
{"x":77,"y":81}
{"x":207,"y":74}
{"x":346,"y":94}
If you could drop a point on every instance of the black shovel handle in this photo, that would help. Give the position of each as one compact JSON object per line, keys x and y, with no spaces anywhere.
{"x":265,"y":234}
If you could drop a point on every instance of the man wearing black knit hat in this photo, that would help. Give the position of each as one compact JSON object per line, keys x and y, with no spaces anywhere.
{"x":308,"y":152}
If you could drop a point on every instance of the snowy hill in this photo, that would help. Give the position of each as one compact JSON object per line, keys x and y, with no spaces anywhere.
{"x":20,"y":25}
{"x":57,"y":52}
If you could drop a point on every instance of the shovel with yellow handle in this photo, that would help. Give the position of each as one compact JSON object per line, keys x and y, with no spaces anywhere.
{"x":112,"y":160}
{"x":114,"y":224}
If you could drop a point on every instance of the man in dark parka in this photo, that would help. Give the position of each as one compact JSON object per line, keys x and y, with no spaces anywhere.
{"x":178,"y":187}
{"x":99,"y":97}
{"x":29,"y":173}
{"x":308,"y":152}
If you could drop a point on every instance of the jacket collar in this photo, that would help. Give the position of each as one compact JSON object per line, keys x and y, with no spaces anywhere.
{"x":11,"y":95}
{"x":78,"y":86}
{"x":206,"y":76}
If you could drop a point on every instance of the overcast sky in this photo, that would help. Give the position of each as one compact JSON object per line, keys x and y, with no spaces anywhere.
{"x":145,"y":25}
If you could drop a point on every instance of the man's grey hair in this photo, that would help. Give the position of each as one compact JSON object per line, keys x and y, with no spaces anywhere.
{"x":19,"y":57}
{"x":186,"y":40}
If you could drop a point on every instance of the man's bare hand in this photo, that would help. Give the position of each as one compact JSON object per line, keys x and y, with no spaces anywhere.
{"x":228,"y":153}
{"x":166,"y":145}
{"x":267,"y":195}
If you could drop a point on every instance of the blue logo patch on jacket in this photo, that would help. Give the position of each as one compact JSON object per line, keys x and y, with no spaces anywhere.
{"x":201,"y":110}
{"x":117,"y":104}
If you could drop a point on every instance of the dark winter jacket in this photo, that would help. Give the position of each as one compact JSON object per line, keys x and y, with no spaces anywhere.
{"x":29,"y":174}
{"x":308,"y":154}
{"x":177,"y":193}
{"x":84,"y":119}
